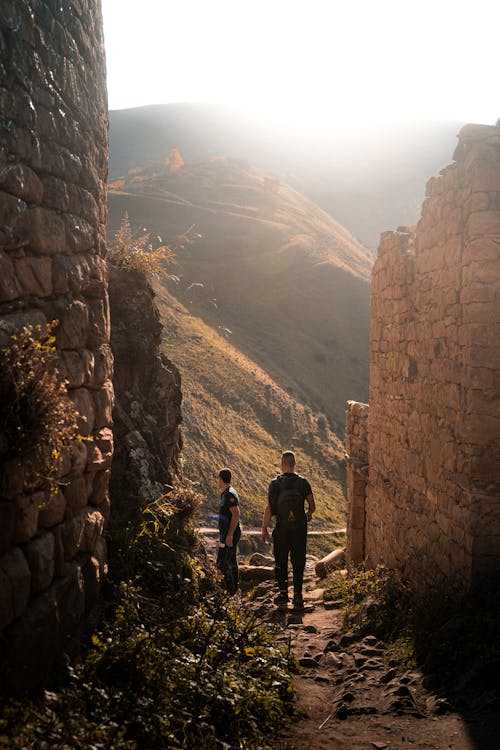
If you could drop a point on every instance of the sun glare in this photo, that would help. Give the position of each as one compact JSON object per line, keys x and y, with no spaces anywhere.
{"x":306,"y":63}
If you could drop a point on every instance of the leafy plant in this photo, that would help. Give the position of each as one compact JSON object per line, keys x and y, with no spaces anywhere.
{"x":37,"y":417}
{"x":136,"y":253}
{"x":176,"y":664}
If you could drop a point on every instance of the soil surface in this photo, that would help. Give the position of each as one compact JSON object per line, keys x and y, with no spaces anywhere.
{"x":351,"y":696}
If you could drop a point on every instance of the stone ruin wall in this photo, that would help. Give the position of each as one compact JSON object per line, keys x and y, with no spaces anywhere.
{"x":53,"y":170}
{"x":432,"y":502}
{"x":148,"y":394}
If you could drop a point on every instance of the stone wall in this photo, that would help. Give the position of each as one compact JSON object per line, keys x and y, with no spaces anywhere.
{"x":53,"y":169}
{"x":356,"y":445}
{"x":148,"y":397}
{"x":433,"y":496}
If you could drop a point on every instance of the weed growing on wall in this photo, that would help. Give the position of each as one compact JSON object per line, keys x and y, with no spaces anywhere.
{"x":136,"y":253}
{"x":37,"y":419}
{"x":176,"y":664}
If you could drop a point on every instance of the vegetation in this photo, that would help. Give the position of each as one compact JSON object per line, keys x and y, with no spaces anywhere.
{"x":452,"y":638}
{"x":137,"y":253}
{"x":176,"y":664}
{"x":38,"y":420}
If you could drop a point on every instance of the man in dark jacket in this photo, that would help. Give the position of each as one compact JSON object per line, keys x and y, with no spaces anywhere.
{"x":286,"y":496}
{"x":229,"y":531}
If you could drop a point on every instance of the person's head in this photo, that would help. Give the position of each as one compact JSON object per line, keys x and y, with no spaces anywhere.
{"x":224,"y":478}
{"x":288,"y":461}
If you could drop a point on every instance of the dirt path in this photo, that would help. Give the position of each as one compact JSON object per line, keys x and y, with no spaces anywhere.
{"x":354,"y":698}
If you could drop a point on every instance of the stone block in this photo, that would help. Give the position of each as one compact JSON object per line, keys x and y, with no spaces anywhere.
{"x":484,"y":224}
{"x":94,"y":526}
{"x":40,"y":556}
{"x":483,"y":249}
{"x":100,"y":485}
{"x":78,"y":457}
{"x":73,"y":326}
{"x":7,"y":525}
{"x":47,"y":232}
{"x":84,"y":405}
{"x":104,"y":401}
{"x":103,"y":364}
{"x":27,"y":509}
{"x":75,"y":492}
{"x":80,"y":234}
{"x":52,"y":511}
{"x":9,"y":287}
{"x":72,"y":532}
{"x":33,"y":642}
{"x":71,"y":368}
{"x":14,"y":478}
{"x":99,"y":323}
{"x":21,"y":181}
{"x":88,"y":364}
{"x":15,"y":580}
{"x":35,"y":276}
{"x":55,"y":193}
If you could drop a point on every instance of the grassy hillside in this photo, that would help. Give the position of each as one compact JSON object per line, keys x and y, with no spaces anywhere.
{"x":235,"y":414}
{"x":368,"y":179}
{"x":286,"y":283}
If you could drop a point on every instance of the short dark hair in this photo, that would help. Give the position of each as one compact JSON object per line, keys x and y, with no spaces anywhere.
{"x":288,"y":458}
{"x":225,"y":475}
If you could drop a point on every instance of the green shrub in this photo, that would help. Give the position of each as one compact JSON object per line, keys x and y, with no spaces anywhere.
{"x":38,"y":420}
{"x":176,"y":664}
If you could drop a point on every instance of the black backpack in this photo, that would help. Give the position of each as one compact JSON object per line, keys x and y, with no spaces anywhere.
{"x":289,"y":501}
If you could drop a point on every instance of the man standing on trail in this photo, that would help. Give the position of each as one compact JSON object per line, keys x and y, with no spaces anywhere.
{"x":229,"y":531}
{"x":286,"y":496}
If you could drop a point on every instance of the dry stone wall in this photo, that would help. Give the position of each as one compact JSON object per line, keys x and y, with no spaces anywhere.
{"x":433,"y":495}
{"x":53,"y":169}
{"x":147,"y":384}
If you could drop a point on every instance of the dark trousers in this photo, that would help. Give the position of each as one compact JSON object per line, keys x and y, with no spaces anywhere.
{"x":290,"y":540}
{"x":227,"y":563}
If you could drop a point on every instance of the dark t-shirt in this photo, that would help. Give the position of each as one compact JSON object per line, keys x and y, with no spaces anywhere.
{"x":228,"y":499}
{"x":277,"y":486}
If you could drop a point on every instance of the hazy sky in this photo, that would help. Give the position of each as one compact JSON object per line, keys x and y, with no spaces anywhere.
{"x":308,"y":62}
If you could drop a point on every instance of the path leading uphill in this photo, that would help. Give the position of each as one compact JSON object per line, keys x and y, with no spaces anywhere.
{"x":354,"y":698}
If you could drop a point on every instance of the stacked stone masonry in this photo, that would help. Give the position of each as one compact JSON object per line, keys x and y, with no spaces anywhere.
{"x":433,"y":496}
{"x":53,"y":170}
{"x":147,"y":412}
{"x":356,"y":444}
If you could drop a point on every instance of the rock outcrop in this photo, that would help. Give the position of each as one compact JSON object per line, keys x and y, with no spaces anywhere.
{"x":148,"y":396}
{"x":53,"y":171}
{"x":432,"y":504}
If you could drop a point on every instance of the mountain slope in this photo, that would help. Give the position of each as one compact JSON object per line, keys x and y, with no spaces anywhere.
{"x":286,"y":283}
{"x":369,"y":180}
{"x":236,"y":415}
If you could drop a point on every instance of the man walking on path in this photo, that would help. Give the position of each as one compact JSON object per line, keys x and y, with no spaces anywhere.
{"x":229,"y":531}
{"x":286,"y":496}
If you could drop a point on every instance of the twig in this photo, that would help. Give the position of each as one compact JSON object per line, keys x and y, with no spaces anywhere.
{"x":323,"y":724}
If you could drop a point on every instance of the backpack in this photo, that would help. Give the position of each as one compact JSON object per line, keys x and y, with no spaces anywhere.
{"x":289,"y":501}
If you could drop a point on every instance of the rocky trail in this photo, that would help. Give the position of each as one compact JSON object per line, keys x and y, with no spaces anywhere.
{"x":351,"y":696}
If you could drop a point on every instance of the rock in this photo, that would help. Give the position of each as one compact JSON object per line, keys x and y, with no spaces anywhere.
{"x":40,"y":556}
{"x":388,"y":676}
{"x":51,"y":512}
{"x":308,"y":663}
{"x":258,"y":559}
{"x":252,"y":573}
{"x":15,"y":585}
{"x":334,"y":560}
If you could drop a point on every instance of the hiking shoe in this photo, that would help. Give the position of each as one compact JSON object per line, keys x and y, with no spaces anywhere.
{"x":298,"y":602}
{"x":282,"y":599}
